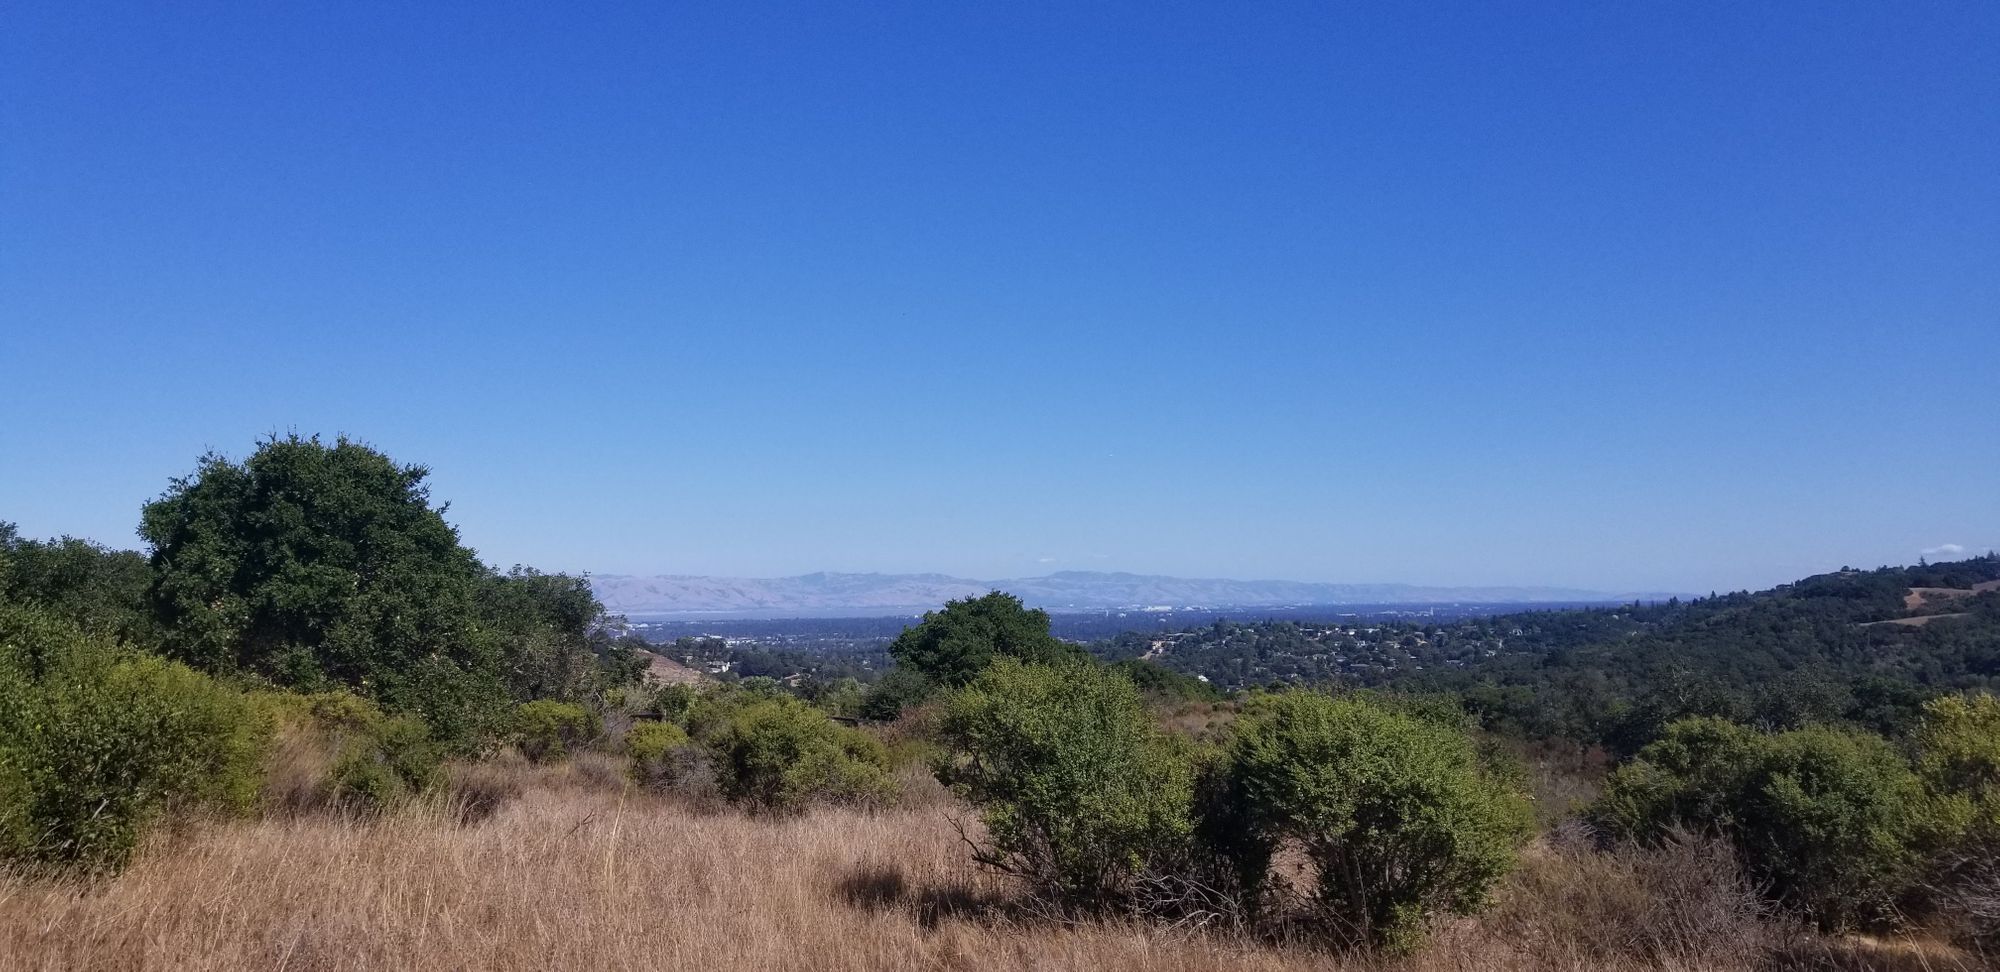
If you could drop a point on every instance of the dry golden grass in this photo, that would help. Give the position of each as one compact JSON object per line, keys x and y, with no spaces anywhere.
{"x":568,"y":873}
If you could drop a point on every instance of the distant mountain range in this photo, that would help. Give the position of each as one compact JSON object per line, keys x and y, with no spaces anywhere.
{"x":831,"y":595}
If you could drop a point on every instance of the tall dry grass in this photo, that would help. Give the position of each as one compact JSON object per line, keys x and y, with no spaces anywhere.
{"x":1683,"y":905}
{"x":565,"y":869}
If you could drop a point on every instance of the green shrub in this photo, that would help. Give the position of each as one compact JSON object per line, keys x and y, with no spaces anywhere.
{"x":648,"y":741}
{"x":842,"y":697}
{"x":395,"y":760}
{"x":662,"y":755}
{"x":901,"y":688}
{"x":1080,"y":794}
{"x":98,"y":741}
{"x":101,"y":590}
{"x":373,"y":761}
{"x":1692,"y":775}
{"x":1958,"y":743}
{"x":1958,"y":747}
{"x":17,"y":829}
{"x":1397,"y":815}
{"x":548,"y":730}
{"x":463,"y":706}
{"x":1158,"y":683}
{"x":712,"y":707}
{"x":1830,"y":822}
{"x":672,"y":702}
{"x":709,"y":712}
{"x":780,"y":755}
{"x":761,"y":685}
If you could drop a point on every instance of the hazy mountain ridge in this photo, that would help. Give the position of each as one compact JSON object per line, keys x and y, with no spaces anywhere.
{"x":1062,"y":591}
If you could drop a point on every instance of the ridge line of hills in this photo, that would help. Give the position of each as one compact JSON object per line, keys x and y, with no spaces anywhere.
{"x":848,"y":593}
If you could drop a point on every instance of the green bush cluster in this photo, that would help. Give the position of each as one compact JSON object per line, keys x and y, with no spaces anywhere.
{"x":758,"y":747}
{"x":396,"y":761}
{"x":101,"y":590}
{"x":1958,"y":745}
{"x":379,"y":760}
{"x":1835,"y":824}
{"x":1958,"y":756}
{"x":649,"y":742}
{"x":896,"y":691}
{"x":780,"y":754}
{"x":547,"y":730}
{"x":665,"y":759}
{"x":674,"y":702}
{"x":97,"y":741}
{"x":323,"y":570}
{"x":1397,"y":813}
{"x":1159,"y":683}
{"x":1082,"y":795}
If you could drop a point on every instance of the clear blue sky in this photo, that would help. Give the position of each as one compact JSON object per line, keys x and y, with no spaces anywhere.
{"x":1615,"y":295}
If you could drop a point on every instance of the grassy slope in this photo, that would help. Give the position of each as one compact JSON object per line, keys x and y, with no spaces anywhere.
{"x":572,"y":874}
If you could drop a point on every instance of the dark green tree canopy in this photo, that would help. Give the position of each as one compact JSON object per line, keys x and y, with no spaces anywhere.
{"x":953,"y":645}
{"x":550,"y":630}
{"x":100,"y":589}
{"x":309,"y":562}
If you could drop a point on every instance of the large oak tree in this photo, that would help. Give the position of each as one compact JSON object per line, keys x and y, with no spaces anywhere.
{"x":312,"y":563}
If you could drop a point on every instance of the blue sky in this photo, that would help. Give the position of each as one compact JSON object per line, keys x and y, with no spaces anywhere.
{"x":1614,"y":295}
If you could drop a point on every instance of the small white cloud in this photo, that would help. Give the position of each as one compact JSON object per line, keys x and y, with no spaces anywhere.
{"x":1045,"y":560}
{"x":1944,"y":551}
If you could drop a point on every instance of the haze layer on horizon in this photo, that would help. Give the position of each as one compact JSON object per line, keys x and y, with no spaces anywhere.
{"x":1622,"y":298}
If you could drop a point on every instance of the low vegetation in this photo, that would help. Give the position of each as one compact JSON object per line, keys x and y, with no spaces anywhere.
{"x":97,"y":742}
{"x":781,"y":755}
{"x":1833,"y":823}
{"x":367,"y":759}
{"x":546,"y":729}
{"x":1395,"y":816}
{"x":1080,"y":795}
{"x":573,"y":873}
{"x":309,"y":729}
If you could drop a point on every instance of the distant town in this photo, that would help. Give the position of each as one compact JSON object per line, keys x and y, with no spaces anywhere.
{"x":1232,"y":647}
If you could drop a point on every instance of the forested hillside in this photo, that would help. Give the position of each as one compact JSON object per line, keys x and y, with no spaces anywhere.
{"x":1864,"y":645}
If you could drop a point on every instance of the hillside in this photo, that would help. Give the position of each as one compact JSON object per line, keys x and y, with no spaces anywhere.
{"x":1860,"y":643}
{"x":831,"y":594}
